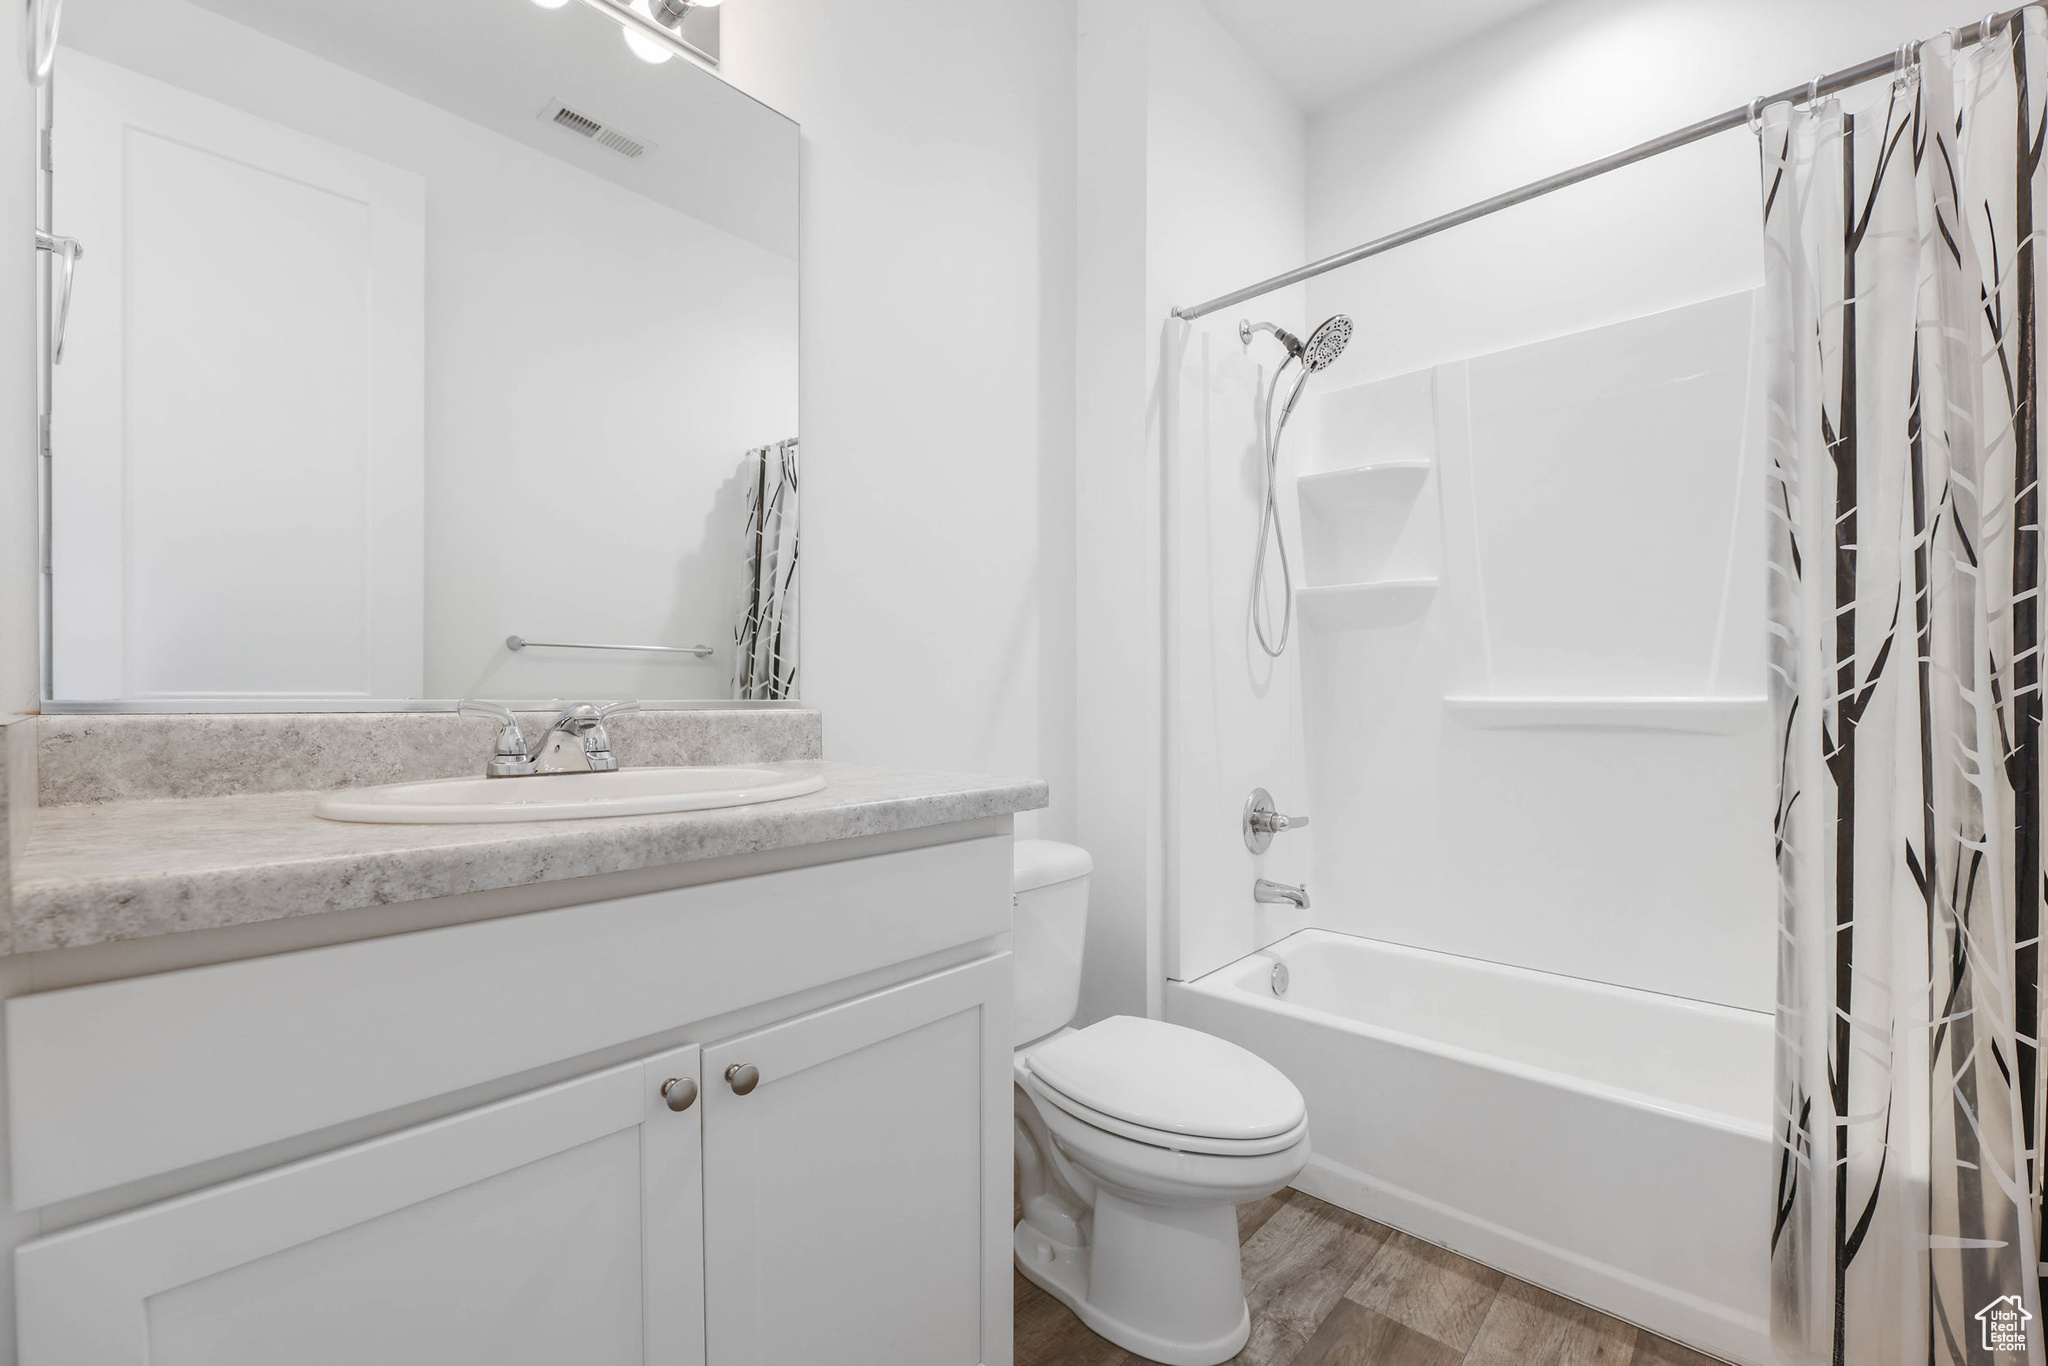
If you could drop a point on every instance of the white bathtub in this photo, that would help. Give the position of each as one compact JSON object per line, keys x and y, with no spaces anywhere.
{"x":1609,"y":1144}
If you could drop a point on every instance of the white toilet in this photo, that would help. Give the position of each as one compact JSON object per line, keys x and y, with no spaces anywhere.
{"x":1136,"y":1139}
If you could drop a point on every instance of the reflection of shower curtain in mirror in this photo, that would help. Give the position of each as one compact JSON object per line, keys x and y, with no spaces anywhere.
{"x":765,"y":630}
{"x":1902,"y":288}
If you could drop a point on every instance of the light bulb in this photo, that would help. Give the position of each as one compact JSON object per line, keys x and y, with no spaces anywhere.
{"x":551,"y":4}
{"x":644,"y":47}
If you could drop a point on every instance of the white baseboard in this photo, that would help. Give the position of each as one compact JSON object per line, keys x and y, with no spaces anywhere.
{"x":1698,"y":1323}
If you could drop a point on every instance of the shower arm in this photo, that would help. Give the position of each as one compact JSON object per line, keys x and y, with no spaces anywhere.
{"x":1829,"y":84}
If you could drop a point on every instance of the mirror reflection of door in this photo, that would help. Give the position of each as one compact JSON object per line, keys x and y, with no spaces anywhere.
{"x":240,"y":405}
{"x":407,"y":329}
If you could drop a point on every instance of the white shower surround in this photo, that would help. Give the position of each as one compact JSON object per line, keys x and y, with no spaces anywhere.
{"x":1540,"y":864}
{"x":1608,"y":1144}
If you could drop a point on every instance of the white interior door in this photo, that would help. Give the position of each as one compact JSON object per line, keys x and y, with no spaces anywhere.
{"x":856,"y":1202}
{"x":238,"y":424}
{"x":564,"y":1225}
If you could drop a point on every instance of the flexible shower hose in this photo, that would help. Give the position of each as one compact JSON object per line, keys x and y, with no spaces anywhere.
{"x":1270,"y":530}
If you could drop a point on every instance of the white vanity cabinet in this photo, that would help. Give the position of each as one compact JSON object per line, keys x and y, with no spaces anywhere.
{"x":565,"y":1225}
{"x":845,"y":1194}
{"x":837,"y":1190}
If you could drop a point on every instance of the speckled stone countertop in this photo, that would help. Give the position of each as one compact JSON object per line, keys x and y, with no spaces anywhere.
{"x":93,"y":873}
{"x":101,"y":758}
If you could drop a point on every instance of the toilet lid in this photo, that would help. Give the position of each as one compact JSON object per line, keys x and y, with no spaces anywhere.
{"x":1167,"y":1077}
{"x":1041,"y":863}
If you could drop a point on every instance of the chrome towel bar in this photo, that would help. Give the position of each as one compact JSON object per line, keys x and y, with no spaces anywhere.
{"x":68,"y":250}
{"x":517,"y":643}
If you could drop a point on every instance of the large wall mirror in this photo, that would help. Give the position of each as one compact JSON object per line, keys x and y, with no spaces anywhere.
{"x":403,"y":331}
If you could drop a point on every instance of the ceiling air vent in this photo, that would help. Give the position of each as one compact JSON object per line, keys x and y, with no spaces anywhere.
{"x":595,"y":130}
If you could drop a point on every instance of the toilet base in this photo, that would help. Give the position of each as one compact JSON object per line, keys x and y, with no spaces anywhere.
{"x":1139,"y":1240}
{"x":1062,"y":1271}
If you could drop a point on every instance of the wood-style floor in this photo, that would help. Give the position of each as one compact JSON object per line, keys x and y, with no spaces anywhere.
{"x":1328,"y":1288}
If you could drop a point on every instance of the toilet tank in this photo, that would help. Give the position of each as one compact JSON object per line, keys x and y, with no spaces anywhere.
{"x":1050,"y":881}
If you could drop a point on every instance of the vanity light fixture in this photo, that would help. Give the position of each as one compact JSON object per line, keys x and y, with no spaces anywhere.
{"x":669,"y":14}
{"x":642,"y":46}
{"x":655,"y":30}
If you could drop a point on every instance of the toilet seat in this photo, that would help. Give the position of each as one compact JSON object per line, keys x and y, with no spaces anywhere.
{"x":1146,"y":1169}
{"x":1161,"y":1138}
{"x":1169,"y":1085}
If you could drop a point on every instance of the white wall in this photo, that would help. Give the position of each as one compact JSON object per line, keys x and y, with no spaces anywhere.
{"x":937,"y":301}
{"x":588,"y":409}
{"x":1226,"y":194}
{"x":19,"y":653}
{"x":1118,"y":721}
{"x":1626,"y":857}
{"x":1562,"y":85}
{"x":1190,"y":175}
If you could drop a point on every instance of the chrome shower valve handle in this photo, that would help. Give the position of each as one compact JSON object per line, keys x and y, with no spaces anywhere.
{"x":1272,"y":822}
{"x":1262,"y":821}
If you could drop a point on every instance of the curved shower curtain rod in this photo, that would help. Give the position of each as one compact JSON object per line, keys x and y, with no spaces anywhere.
{"x":1642,"y":151}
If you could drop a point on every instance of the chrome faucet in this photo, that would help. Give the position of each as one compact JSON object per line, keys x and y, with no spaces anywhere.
{"x":1280,"y":894}
{"x":574,"y":742}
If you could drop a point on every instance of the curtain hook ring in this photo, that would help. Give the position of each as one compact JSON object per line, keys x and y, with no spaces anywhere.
{"x":1988,"y":29}
{"x":1756,"y":114}
{"x":1903,"y":60}
{"x":1813,"y":92}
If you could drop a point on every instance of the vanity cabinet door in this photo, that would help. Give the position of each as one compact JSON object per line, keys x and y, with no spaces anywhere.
{"x":857,"y":1181}
{"x":564,"y":1225}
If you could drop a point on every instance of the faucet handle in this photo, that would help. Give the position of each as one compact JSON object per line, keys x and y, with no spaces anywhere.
{"x":1262,"y":821}
{"x":509,"y":758}
{"x":509,"y":739}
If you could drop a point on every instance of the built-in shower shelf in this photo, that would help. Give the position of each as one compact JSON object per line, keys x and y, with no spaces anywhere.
{"x":1352,"y":606}
{"x":1697,"y":715}
{"x":1337,"y":492}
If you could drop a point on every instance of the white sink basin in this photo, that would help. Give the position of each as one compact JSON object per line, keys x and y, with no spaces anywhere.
{"x":564,"y":796}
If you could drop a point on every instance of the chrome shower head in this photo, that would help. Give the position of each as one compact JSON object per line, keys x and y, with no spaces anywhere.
{"x":1321,"y":349}
{"x":1326,"y":343}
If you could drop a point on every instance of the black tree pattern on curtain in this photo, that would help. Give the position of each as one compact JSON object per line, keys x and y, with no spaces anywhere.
{"x":765,"y":628}
{"x":1901,"y":315}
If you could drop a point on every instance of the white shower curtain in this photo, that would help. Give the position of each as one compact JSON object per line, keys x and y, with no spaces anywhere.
{"x":1902,"y":287}
{"x":764,"y":656}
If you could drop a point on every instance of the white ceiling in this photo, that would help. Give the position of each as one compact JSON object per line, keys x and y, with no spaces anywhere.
{"x":1317,"y":50}
{"x":717,"y":155}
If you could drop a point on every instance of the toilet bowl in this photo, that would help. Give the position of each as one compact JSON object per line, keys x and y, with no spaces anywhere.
{"x":1136,"y":1140}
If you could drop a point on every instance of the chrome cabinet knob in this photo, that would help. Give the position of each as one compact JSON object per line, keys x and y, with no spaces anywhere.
{"x":743,"y":1077}
{"x":680,"y":1093}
